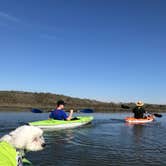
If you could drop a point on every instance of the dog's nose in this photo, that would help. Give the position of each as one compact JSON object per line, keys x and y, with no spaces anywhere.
{"x":44,"y":144}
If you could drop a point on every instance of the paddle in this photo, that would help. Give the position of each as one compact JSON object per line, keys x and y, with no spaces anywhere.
{"x":125,"y":106}
{"x":35,"y":110}
{"x":86,"y":111}
{"x":155,"y":114}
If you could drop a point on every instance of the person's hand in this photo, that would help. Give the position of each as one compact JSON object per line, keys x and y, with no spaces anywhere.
{"x":71,"y":111}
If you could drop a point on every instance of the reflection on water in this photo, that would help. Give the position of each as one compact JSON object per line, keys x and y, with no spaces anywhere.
{"x":107,"y":141}
{"x":59,"y":137}
{"x":138,"y":132}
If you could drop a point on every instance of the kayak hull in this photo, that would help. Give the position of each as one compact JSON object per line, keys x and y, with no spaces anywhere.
{"x":52,"y":124}
{"x":137,"y":121}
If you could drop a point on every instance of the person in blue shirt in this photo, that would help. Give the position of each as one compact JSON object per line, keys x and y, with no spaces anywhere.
{"x":59,"y":112}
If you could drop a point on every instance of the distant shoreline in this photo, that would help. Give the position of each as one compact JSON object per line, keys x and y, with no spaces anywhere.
{"x":24,"y":101}
{"x":47,"y":110}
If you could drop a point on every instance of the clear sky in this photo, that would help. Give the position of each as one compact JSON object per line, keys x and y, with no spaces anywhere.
{"x":109,"y":50}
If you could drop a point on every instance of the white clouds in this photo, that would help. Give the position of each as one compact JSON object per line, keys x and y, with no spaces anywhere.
{"x":7,"y":17}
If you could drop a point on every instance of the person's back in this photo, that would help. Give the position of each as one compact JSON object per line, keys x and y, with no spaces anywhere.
{"x":59,"y":112}
{"x":139,"y":110}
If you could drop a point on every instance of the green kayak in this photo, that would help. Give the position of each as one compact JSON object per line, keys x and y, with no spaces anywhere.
{"x":62,"y":124}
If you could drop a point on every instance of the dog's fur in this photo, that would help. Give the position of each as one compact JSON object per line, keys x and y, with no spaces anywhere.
{"x":26,"y":138}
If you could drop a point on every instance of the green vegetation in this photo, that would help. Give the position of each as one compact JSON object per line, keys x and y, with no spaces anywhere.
{"x":24,"y":101}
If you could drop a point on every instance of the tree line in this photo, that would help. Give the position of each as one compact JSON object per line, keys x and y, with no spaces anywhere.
{"x":46,"y":101}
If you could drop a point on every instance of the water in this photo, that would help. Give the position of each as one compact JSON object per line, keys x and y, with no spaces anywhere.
{"x":107,"y":141}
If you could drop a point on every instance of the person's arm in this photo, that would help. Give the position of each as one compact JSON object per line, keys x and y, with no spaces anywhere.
{"x":144,"y":111}
{"x":50,"y":115}
{"x":70,"y":115}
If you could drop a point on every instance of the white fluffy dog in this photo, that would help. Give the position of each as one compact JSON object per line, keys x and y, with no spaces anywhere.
{"x":28,"y":138}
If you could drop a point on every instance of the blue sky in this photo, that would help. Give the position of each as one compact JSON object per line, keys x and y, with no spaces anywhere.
{"x":109,"y":50}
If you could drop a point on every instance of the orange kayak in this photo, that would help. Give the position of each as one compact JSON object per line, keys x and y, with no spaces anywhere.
{"x":144,"y":120}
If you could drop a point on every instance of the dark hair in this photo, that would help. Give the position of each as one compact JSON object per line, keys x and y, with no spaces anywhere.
{"x":60,"y":102}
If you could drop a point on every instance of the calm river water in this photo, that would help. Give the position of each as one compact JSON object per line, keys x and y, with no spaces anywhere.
{"x":107,"y":141}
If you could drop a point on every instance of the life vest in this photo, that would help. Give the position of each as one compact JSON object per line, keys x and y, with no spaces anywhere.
{"x":9,"y":156}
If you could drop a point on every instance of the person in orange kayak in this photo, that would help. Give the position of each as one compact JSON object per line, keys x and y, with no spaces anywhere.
{"x":139,"y":111}
{"x":59,"y":113}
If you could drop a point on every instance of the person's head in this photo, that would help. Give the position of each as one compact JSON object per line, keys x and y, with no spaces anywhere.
{"x":60,"y":104}
{"x":139,"y":104}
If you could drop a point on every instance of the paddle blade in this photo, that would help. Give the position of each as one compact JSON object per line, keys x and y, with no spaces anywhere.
{"x":157,"y":115}
{"x":35,"y":110}
{"x":125,"y":106}
{"x":86,"y":111}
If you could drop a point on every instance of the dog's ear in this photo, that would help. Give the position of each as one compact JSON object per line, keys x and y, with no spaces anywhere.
{"x":35,"y":139}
